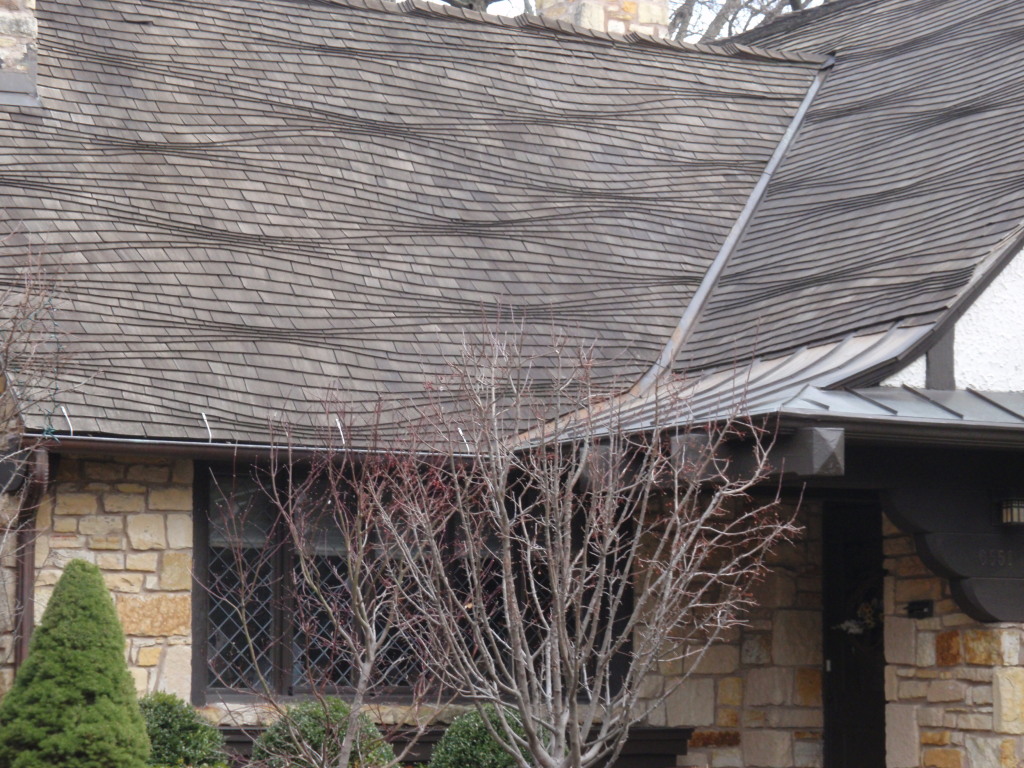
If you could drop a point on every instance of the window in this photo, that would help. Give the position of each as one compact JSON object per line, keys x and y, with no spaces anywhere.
{"x":262,"y":627}
{"x":266,"y":630}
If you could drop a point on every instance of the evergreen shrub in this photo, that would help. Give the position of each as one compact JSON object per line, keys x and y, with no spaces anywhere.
{"x":468,"y":744}
{"x":73,"y":703}
{"x":179,"y":735}
{"x":320,"y":726}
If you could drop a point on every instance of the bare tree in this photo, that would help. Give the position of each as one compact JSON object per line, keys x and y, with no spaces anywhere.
{"x":491,"y":554}
{"x":698,"y":20}
{"x":555,"y":569}
{"x":707,"y":20}
{"x":349,"y":633}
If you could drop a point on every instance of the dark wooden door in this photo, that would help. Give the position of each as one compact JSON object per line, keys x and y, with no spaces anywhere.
{"x":854,"y":660}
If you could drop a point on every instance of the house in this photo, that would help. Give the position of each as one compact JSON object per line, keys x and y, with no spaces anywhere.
{"x":254,"y":203}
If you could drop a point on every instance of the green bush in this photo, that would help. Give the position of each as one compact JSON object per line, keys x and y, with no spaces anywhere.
{"x":179,"y":735}
{"x":73,"y":703}
{"x":468,"y":744}
{"x":320,"y":725}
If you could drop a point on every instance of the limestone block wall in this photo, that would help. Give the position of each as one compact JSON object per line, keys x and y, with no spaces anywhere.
{"x":756,"y":698}
{"x":648,"y":17}
{"x":18,"y":31}
{"x":132,"y":517}
{"x":9,"y":507}
{"x":954,"y":686}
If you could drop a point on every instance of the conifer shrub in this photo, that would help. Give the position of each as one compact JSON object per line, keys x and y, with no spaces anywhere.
{"x":317,"y":728}
{"x":179,"y":735}
{"x":73,"y":703}
{"x":468,"y":744}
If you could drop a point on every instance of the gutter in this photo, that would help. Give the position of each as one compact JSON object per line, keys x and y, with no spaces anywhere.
{"x":205,"y":451}
{"x":155,"y":446}
{"x":938,"y":435}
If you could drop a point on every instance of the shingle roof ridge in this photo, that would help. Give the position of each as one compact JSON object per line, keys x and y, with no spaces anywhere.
{"x":728,"y":49}
{"x":791,"y":21}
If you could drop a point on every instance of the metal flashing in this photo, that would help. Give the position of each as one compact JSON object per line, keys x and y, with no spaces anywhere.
{"x":18,"y":89}
{"x":700,"y":299}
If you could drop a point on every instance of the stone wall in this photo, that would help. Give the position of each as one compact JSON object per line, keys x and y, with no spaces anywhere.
{"x":9,"y":508}
{"x":954,"y":687}
{"x":17,"y":34}
{"x":756,"y":699}
{"x":616,"y":16}
{"x":132,"y":517}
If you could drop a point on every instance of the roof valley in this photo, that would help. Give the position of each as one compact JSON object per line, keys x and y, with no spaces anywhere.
{"x":691,"y":315}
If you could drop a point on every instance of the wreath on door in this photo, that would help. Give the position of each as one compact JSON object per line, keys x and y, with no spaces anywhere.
{"x":864,"y":609}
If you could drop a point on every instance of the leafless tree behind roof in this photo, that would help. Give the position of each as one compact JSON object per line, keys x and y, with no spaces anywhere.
{"x":707,"y":20}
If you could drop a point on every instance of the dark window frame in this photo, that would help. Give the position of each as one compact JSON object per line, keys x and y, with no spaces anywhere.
{"x":283,"y":664}
{"x":282,"y":659}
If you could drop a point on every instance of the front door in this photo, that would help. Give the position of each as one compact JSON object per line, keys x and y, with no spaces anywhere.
{"x":854,"y":654}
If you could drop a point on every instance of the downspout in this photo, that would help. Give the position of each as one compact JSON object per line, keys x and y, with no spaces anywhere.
{"x":37,"y":469}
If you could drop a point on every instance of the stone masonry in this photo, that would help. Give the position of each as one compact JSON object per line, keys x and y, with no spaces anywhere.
{"x":646,"y":17}
{"x":132,"y":517}
{"x":756,"y":698}
{"x":9,"y":506}
{"x":17,"y":34}
{"x":954,"y":686}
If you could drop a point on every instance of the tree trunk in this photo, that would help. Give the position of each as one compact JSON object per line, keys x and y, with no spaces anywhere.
{"x":679,"y":24}
{"x":724,"y":15}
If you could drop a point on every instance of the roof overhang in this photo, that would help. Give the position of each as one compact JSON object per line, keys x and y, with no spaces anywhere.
{"x":954,"y":418}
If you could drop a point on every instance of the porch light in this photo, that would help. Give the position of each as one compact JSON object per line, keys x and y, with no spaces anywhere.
{"x":1013,"y":510}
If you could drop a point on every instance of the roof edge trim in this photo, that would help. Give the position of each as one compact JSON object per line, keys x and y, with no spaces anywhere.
{"x":725,"y":49}
{"x":866,"y":430}
{"x":694,"y":310}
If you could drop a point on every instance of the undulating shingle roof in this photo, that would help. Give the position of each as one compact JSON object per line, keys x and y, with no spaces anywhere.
{"x":899,"y":201}
{"x":903,"y":190}
{"x":258,"y":203}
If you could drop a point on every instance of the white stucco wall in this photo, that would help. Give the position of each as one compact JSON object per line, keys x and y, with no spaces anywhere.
{"x":989,"y":342}
{"x":913,"y":375}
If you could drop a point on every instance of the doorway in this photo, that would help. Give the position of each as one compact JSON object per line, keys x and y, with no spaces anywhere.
{"x":854,"y":675}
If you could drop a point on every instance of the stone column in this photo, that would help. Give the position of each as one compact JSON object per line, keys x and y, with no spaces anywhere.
{"x":755,"y":699}
{"x":954,"y":686}
{"x":647,"y":17}
{"x":18,"y":33}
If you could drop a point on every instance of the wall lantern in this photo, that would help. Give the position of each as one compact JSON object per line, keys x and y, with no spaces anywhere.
{"x":1013,"y":510}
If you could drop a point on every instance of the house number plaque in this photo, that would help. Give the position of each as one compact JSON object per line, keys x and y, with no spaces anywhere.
{"x":984,"y":555}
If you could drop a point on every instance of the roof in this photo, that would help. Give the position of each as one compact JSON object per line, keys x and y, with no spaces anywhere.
{"x":259,"y":203}
{"x":256,"y":204}
{"x":989,"y":419}
{"x":904,"y":190}
{"x":901,"y":198}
